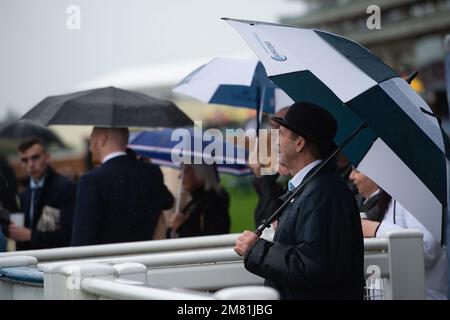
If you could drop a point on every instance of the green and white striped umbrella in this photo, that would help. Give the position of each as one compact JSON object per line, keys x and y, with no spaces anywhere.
{"x":403,"y":149}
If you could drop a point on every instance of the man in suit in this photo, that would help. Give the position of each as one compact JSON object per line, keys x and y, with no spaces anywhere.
{"x":47,"y":203}
{"x":121,"y":200}
{"x":317,"y":251}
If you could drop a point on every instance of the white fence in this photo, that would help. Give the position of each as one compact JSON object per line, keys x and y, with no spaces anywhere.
{"x":191,"y":264}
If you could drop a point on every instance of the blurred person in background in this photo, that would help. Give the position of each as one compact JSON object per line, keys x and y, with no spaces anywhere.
{"x":47,"y":202}
{"x":269,"y":188}
{"x":386,"y":214}
{"x":207,"y":212}
{"x":122,"y":199}
{"x":9,"y":201}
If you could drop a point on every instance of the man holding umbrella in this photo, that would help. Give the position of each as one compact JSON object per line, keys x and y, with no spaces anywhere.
{"x":121,"y":200}
{"x":318,"y":250}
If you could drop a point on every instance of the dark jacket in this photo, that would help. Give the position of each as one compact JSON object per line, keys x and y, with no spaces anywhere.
{"x":269,"y":191}
{"x":8,"y":186}
{"x":120,"y":201}
{"x":318,"y":250}
{"x":370,"y":207}
{"x":208,"y":214}
{"x":58,"y":192}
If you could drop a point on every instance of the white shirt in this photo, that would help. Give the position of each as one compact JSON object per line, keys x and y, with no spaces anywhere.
{"x":113,"y":155}
{"x":436,"y":265}
{"x":298,"y":178}
{"x":37,"y":183}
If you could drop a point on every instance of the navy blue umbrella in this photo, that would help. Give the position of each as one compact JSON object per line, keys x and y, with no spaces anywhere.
{"x":164,"y":147}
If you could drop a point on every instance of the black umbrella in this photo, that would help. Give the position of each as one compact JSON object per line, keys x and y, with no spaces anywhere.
{"x":22,"y":129}
{"x":108,"y":107}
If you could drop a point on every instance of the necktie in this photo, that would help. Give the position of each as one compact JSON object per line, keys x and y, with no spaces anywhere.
{"x":35,"y":195}
{"x":291,"y":186}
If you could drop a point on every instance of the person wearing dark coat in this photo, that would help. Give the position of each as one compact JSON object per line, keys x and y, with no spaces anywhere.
{"x":121,"y":200}
{"x":318,"y":250}
{"x":9,"y":201}
{"x":207,"y":212}
{"x":47,"y":203}
{"x":8,"y":186}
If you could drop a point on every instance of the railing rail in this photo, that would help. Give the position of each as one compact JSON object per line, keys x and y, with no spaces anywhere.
{"x":397,"y":259}
{"x":129,"y":248}
{"x":128,"y":290}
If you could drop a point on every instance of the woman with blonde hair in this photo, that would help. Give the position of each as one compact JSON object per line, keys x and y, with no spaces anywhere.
{"x":207,"y":212}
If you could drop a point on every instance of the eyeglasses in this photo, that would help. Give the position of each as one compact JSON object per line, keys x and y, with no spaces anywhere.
{"x":32,"y":158}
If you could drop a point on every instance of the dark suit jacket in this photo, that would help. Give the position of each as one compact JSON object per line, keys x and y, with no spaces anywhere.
{"x":58,"y":192}
{"x":120,"y":201}
{"x":318,"y":250}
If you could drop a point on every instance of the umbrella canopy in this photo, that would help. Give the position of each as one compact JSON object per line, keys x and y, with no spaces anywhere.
{"x":22,"y":129}
{"x":108,"y":107}
{"x":159,"y":146}
{"x":402,"y":150}
{"x":234,"y":82}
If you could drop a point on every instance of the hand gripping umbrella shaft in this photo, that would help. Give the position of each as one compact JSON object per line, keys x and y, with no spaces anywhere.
{"x":266,"y":222}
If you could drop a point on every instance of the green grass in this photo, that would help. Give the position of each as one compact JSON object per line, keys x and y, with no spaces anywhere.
{"x":243,"y":201}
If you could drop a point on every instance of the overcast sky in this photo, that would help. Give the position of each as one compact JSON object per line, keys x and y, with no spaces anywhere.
{"x":40,"y":56}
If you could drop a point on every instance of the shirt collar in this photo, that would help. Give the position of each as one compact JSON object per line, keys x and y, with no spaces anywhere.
{"x":113,"y":155}
{"x":298,"y":178}
{"x":37,"y":184}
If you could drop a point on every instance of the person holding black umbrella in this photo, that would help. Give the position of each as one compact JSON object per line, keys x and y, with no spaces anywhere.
{"x":317,"y":251}
{"x":121,"y":200}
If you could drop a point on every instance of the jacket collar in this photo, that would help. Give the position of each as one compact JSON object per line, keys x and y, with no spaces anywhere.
{"x":330,"y":166}
{"x":300,"y":176}
{"x":113,"y":155}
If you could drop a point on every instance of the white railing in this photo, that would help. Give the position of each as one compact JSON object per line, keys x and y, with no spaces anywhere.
{"x":129,"y":248}
{"x":397,"y":259}
{"x":125,"y":290}
{"x":16,"y":290}
{"x":129,"y":281}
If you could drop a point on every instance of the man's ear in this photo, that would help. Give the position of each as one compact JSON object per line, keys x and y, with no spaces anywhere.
{"x":102,"y":139}
{"x":300,"y":143}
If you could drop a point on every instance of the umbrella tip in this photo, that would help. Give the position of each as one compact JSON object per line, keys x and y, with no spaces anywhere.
{"x":411,"y":77}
